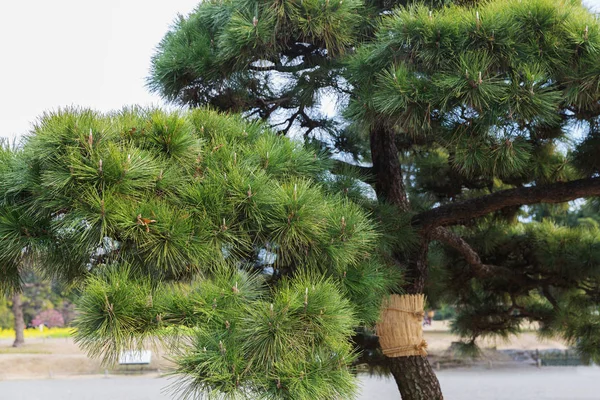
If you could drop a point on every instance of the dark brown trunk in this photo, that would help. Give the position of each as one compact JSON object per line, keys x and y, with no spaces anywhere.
{"x":415,"y":378}
{"x":389,"y":184}
{"x":17,"y":308}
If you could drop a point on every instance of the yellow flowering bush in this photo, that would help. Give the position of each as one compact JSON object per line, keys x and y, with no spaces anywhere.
{"x":33,"y":333}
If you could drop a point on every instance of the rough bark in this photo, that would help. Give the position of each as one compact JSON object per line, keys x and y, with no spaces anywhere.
{"x":17,"y":308}
{"x":453,"y":213}
{"x":414,"y":375}
{"x":417,"y":379}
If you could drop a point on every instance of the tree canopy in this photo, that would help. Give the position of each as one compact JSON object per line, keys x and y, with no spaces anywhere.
{"x":279,"y":61}
{"x":491,"y":93}
{"x":202,"y":226}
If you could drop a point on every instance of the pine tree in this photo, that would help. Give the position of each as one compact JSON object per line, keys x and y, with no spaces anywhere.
{"x":470,"y":110}
{"x":483,"y":102}
{"x":19,"y":247}
{"x":204,"y":233}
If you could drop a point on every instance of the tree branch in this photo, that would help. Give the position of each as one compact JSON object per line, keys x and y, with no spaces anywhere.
{"x":290,"y":121}
{"x":548,"y":295}
{"x":454,"y":213}
{"x":278,"y":68}
{"x":453,"y":240}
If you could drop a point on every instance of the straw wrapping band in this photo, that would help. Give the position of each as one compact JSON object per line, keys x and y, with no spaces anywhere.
{"x":400,"y":328}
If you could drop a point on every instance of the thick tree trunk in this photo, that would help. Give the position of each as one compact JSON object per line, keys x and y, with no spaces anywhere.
{"x":17,"y":308}
{"x":415,"y":273}
{"x":414,"y":376}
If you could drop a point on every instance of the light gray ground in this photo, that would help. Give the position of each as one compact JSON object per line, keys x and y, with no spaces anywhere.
{"x":550,"y":383}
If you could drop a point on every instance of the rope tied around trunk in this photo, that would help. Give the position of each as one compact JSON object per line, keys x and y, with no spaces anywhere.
{"x":417,"y":314}
{"x":421,"y":348}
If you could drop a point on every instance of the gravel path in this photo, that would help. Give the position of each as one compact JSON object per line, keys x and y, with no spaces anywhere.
{"x":552,"y":383}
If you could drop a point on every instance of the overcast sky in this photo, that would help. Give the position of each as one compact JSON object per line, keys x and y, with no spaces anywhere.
{"x":56,"y":53}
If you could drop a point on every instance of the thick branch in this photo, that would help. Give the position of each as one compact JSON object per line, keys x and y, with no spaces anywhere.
{"x":453,"y":240}
{"x":480,"y":269}
{"x":278,"y":68}
{"x":548,"y":295}
{"x":454,"y":213}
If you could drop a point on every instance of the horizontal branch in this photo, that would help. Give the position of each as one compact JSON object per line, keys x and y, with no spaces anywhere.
{"x":278,"y":68}
{"x":454,"y":213}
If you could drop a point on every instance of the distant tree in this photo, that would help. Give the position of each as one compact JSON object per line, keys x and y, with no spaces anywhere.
{"x":49,"y":318}
{"x":21,"y":240}
{"x":19,"y":320}
{"x":36,"y":296}
{"x":17,"y":249}
{"x":7,"y":320}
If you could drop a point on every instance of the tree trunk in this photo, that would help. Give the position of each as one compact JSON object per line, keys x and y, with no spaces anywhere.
{"x":17,"y":308}
{"x":414,"y":376}
{"x":389,"y":184}
{"x":415,"y":273}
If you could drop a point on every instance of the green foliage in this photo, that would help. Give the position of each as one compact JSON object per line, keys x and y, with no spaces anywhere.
{"x":185,"y":227}
{"x":495,"y":87}
{"x":173,"y":190}
{"x":230,"y":334}
{"x":7,"y":319}
{"x":279,"y":62}
{"x":540,"y":272}
{"x":445,"y":312}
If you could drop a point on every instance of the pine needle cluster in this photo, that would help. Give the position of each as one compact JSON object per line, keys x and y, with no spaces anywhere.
{"x":275,"y":61}
{"x":491,"y":91}
{"x":204,"y":231}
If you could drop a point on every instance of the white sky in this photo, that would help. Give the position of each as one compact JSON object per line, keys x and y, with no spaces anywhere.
{"x":56,"y":53}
